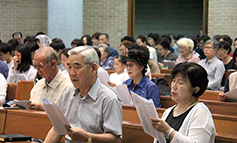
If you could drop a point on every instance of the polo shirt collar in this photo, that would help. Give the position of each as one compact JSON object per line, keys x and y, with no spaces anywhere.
{"x":55,"y":82}
{"x":211,"y":60}
{"x":94,"y":89}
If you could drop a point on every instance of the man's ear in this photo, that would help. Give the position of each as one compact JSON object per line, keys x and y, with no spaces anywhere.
{"x":94,"y":68}
{"x":196,"y":89}
{"x":54,"y":64}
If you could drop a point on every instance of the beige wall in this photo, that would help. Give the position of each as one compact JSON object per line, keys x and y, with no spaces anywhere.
{"x":222,"y":15}
{"x":108,"y":16}
{"x":30,"y":16}
{"x":26,"y":16}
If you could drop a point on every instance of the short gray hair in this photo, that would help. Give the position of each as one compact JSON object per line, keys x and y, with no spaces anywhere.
{"x":89,"y":53}
{"x":214,"y":43}
{"x":106,"y":48}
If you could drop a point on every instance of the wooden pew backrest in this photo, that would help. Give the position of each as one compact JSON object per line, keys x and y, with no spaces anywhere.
{"x":23,"y":90}
{"x":216,"y":107}
{"x":226,"y":75}
{"x":210,"y":95}
{"x":11,"y":91}
{"x":165,"y":71}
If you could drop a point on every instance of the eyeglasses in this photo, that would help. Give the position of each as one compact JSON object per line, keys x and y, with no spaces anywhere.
{"x":41,"y":66}
{"x":222,"y":51}
{"x":129,"y":66}
{"x":208,"y":48}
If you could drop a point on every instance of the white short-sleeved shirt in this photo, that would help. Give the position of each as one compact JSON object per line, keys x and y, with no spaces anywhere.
{"x":118,"y":78}
{"x":98,"y":112}
{"x":152,"y":52}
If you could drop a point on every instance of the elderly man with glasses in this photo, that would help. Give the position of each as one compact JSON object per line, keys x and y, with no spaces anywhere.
{"x":53,"y":82}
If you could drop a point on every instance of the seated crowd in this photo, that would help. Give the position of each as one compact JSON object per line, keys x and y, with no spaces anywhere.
{"x":71,"y":78}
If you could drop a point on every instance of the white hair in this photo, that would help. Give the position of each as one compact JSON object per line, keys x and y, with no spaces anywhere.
{"x":89,"y":53}
{"x":186,"y":42}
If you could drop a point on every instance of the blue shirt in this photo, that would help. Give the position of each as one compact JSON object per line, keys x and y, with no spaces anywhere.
{"x":113,"y":52}
{"x":145,"y":88}
{"x":108,"y":64}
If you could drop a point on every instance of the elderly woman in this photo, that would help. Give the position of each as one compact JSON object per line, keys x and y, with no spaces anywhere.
{"x":136,"y":65}
{"x":106,"y":61}
{"x":186,"y":48}
{"x":223,"y":55}
{"x":188,"y":120}
{"x":214,"y":67}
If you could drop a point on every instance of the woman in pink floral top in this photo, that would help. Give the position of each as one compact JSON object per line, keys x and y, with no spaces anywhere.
{"x":186,"y":48}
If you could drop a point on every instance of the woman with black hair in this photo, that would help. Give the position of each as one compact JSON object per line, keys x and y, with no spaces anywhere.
{"x":189,"y":120}
{"x":223,"y":55}
{"x":23,"y":69}
{"x":87,"y":40}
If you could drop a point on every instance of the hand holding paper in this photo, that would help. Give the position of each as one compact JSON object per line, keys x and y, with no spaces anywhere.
{"x":146,"y":111}
{"x":56,"y":117}
{"x":232,"y":95}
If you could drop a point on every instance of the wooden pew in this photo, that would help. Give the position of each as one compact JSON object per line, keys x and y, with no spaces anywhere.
{"x":27,"y":122}
{"x":23,"y":90}
{"x":165,"y":71}
{"x":225,"y":124}
{"x":226,"y":75}
{"x":37,"y":124}
{"x":20,"y":90}
{"x":2,"y":120}
{"x":134,"y":133}
{"x":216,"y":107}
{"x":11,"y":91}
{"x":210,"y":95}
{"x":110,"y":71}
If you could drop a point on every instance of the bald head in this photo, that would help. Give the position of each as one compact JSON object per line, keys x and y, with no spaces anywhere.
{"x":47,"y":52}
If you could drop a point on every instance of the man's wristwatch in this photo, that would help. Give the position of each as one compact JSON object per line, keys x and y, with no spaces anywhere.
{"x":89,"y":140}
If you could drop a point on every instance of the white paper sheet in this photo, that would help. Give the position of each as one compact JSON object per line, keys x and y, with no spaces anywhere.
{"x":169,"y":63}
{"x":123,"y":94}
{"x":232,"y":95}
{"x":104,"y":78}
{"x":22,"y":103}
{"x":146,"y":110}
{"x":56,"y":117}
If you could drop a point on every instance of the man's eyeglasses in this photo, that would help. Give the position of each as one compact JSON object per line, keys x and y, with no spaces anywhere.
{"x":41,"y":66}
